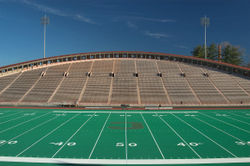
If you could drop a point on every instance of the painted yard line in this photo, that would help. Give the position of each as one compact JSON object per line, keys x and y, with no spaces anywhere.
{"x":99,"y":136}
{"x":4,"y":111}
{"x":126,"y":136}
{"x":12,"y":119}
{"x":160,"y":108}
{"x":180,"y":137}
{"x":30,"y":130}
{"x":11,"y":115}
{"x":132,"y":112}
{"x":122,"y":161}
{"x":226,"y":123}
{"x":205,"y":136}
{"x":72,"y":135}
{"x":240,"y":115}
{"x":237,"y":120}
{"x":218,"y":129}
{"x":46,"y":135}
{"x":153,"y":136}
{"x":23,"y":122}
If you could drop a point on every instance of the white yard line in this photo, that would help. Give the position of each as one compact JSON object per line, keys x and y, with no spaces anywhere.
{"x":153,"y":136}
{"x":99,"y":136}
{"x":240,"y":115}
{"x":3,"y":112}
{"x":218,"y":129}
{"x":29,"y":130}
{"x":180,"y":137}
{"x":126,"y":136}
{"x":23,"y":123}
{"x":123,"y":161}
{"x":46,"y":135}
{"x":11,"y":115}
{"x":237,"y":120}
{"x":205,"y":136}
{"x":131,"y":112}
{"x":227,"y":123}
{"x":12,"y":119}
{"x":72,"y":136}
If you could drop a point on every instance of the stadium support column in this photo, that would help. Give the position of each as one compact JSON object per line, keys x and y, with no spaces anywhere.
{"x":163,"y":86}
{"x":85,"y":85}
{"x":205,"y":21}
{"x":44,"y":22}
{"x":111,"y":85}
{"x":218,"y":90}
{"x":137,"y":86}
{"x":190,"y":87}
{"x":58,"y":86}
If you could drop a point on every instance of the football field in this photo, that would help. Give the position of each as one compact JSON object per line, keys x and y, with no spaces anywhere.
{"x":106,"y":137}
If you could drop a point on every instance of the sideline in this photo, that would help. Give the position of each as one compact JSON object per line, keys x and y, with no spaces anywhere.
{"x":133,"y":112}
{"x":119,"y":161}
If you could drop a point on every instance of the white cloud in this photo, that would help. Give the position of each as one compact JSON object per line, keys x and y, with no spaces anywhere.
{"x":84,"y":19}
{"x":131,"y":25}
{"x":182,"y":46}
{"x":156,"y":35}
{"x":44,"y":8}
{"x":155,"y":19}
{"x":57,"y":12}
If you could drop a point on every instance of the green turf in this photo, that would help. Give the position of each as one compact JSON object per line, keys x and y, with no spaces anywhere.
{"x":110,"y":134}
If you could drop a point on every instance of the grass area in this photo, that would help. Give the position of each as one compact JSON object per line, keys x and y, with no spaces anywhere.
{"x":117,"y":137}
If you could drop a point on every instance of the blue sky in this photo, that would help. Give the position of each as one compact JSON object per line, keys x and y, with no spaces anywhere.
{"x":170,"y":26}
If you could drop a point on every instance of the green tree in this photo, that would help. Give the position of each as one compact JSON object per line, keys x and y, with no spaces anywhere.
{"x":232,"y":54}
{"x":198,"y":52}
{"x":211,"y":52}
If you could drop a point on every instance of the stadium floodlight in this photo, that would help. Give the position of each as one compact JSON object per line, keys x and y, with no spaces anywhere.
{"x":44,"y":22}
{"x":205,"y":21}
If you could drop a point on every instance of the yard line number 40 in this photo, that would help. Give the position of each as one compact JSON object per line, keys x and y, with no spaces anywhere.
{"x":8,"y":142}
{"x":61,"y":143}
{"x":194,"y":144}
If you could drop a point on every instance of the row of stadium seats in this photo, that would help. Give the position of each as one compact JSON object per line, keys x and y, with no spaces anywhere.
{"x":72,"y":86}
{"x":168,"y":88}
{"x":124,"y":87}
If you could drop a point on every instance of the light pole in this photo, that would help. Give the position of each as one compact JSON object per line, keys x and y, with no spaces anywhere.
{"x":205,"y":21}
{"x":44,"y":22}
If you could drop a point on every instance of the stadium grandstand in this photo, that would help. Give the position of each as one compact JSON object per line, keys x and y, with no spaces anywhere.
{"x":124,"y":108}
{"x":124,"y":78}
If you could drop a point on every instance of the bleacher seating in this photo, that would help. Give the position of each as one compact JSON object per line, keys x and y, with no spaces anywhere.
{"x":47,"y":84}
{"x":70,"y":89}
{"x":229,"y":87}
{"x":244,"y":83}
{"x":124,"y":81}
{"x":202,"y":86}
{"x":150,"y":85}
{"x":177,"y":86}
{"x":6,"y":81}
{"x":20,"y":86}
{"x":98,"y":85}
